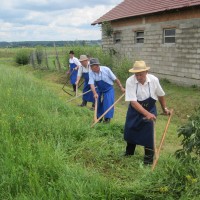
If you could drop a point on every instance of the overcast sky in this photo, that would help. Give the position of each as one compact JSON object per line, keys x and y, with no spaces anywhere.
{"x":43,"y":20}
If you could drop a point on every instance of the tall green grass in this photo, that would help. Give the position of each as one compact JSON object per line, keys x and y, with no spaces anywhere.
{"x":38,"y":133}
{"x":49,"y":151}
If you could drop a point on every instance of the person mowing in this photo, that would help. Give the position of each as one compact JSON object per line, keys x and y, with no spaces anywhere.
{"x":103,"y":78}
{"x":74,"y":64}
{"x":142,"y":90}
{"x":83,"y":71}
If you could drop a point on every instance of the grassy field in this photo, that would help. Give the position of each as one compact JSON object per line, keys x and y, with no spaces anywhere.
{"x":49,"y":150}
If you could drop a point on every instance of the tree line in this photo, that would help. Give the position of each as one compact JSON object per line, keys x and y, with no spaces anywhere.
{"x":49,"y":43}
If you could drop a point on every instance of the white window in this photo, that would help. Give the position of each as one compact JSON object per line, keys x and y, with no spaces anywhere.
{"x":169,"y":35}
{"x":139,"y":36}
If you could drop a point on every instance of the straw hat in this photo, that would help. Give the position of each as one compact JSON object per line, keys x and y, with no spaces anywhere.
{"x":139,"y":66}
{"x":83,"y":57}
{"x":94,"y":61}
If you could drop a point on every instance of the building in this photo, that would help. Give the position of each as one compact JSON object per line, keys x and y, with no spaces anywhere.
{"x":166,"y":34}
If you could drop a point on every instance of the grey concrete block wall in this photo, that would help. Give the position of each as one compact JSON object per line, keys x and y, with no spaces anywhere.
{"x":179,"y":62}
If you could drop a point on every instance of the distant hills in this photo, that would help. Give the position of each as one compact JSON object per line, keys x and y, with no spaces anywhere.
{"x":49,"y":43}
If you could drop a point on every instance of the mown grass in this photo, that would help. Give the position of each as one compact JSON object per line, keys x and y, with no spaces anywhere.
{"x":49,"y":151}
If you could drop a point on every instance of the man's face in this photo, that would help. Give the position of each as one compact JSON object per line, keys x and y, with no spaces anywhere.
{"x":95,"y":68}
{"x":84,"y":63}
{"x":141,"y":76}
{"x":71,"y":55}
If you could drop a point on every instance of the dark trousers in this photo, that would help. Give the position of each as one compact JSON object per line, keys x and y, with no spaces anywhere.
{"x":148,"y":153}
{"x":74,"y":87}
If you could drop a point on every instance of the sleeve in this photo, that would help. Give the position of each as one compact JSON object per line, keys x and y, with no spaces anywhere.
{"x":80,"y":71}
{"x":111,"y":75}
{"x":159,"y":91}
{"x":91,"y":78}
{"x":77,"y":62}
{"x":130,"y":94}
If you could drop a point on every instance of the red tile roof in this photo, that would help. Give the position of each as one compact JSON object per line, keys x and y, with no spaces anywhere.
{"x":130,"y":8}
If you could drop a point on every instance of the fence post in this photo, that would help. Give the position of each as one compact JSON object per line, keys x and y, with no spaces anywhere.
{"x":46,"y":59}
{"x":59,"y":66}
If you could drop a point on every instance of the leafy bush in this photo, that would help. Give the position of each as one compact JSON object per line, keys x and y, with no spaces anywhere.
{"x":107,"y":29}
{"x":191,"y":135}
{"x":22,"y":57}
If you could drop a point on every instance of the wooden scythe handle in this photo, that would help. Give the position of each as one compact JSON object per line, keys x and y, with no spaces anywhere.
{"x":108,"y":110}
{"x":162,"y":140}
{"x":95,"y":110}
{"x":78,"y":96}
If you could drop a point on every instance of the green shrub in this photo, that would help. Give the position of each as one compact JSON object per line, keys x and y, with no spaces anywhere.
{"x":191,"y":135}
{"x":22,"y":57}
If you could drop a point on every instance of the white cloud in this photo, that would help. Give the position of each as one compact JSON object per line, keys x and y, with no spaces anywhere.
{"x":46,"y":20}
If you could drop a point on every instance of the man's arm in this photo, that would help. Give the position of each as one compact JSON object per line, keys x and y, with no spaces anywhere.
{"x":77,"y":80}
{"x":94,"y":91}
{"x":163,"y":105}
{"x":120,"y":85}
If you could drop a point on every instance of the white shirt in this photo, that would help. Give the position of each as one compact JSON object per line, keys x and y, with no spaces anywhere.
{"x":75,"y":60}
{"x":82,"y":70}
{"x":105,"y":74}
{"x":151,"y":88}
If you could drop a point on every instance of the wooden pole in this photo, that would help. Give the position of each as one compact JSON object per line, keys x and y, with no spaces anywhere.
{"x":78,"y":96}
{"x":76,"y":90}
{"x":108,"y":110}
{"x":154,"y":140}
{"x":57,"y":58}
{"x":95,"y":110}
{"x":162,"y":140}
{"x":46,"y":58}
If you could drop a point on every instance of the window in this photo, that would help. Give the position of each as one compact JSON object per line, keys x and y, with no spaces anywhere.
{"x":117,"y":37}
{"x":139,"y":37}
{"x":169,"y":35}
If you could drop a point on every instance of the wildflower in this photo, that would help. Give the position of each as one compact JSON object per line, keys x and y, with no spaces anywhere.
{"x":163,"y":189}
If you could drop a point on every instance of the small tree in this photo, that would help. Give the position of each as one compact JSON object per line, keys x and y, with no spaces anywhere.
{"x":22,"y":57}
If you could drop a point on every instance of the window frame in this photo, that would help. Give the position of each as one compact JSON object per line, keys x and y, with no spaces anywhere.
{"x":169,"y":36}
{"x":117,"y":37}
{"x":137,"y":37}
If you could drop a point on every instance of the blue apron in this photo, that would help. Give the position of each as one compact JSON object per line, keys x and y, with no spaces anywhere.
{"x":106,"y":98}
{"x":73,"y":73}
{"x":89,"y":96}
{"x":137,"y":129}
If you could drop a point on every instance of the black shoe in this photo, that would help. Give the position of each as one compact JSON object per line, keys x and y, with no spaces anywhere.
{"x":128,"y":154}
{"x":81,"y":105}
{"x":148,"y":160}
{"x":84,"y":103}
{"x":106,"y":120}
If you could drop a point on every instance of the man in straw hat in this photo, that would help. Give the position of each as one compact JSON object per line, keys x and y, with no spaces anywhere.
{"x":83,"y":71}
{"x":74,"y":64}
{"x":142,"y":90}
{"x":103,"y":78}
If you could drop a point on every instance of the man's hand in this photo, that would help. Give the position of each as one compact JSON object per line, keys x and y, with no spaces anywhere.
{"x":166,"y":111}
{"x":150,"y":116}
{"x":96,"y":96}
{"x":122,"y":89}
